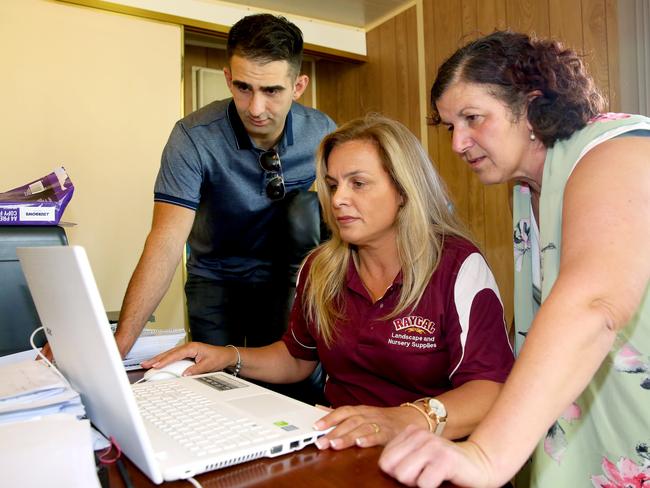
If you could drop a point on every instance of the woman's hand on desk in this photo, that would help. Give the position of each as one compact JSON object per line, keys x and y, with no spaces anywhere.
{"x":207,"y":358}
{"x":417,"y":457}
{"x":365,"y":426}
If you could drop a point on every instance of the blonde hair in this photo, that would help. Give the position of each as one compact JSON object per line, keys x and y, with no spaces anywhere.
{"x":423,"y":222}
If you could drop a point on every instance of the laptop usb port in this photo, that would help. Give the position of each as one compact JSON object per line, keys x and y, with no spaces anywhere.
{"x":294,"y":444}
{"x":276,"y":449}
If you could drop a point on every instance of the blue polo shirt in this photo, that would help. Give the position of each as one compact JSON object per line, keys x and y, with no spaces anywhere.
{"x":210,"y":165}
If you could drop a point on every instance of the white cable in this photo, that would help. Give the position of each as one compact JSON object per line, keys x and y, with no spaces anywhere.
{"x":194,"y":483}
{"x":40,"y":354}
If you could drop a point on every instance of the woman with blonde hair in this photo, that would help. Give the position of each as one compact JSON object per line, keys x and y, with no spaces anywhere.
{"x":399,"y":306}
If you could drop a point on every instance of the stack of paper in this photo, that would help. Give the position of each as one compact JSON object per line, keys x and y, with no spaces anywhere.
{"x":32,"y":389}
{"x":150,"y":343}
{"x":51,"y":451}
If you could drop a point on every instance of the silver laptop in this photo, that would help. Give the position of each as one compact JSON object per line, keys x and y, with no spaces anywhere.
{"x":239,"y":421}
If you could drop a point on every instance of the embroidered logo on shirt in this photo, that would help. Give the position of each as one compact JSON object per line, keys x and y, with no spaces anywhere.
{"x":413,"y":331}
{"x":414,"y":323}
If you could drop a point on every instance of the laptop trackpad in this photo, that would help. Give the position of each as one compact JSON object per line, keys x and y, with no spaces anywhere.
{"x":264,"y":405}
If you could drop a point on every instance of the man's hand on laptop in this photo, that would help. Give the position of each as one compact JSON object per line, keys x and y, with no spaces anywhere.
{"x":207,"y":358}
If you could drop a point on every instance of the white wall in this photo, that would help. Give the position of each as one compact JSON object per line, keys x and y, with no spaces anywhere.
{"x":98,"y":93}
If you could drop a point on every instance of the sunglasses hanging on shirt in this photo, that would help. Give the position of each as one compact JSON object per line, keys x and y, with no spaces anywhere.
{"x":270,"y":163}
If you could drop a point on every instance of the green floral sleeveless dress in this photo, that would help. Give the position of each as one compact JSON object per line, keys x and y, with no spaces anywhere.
{"x":603,"y":438}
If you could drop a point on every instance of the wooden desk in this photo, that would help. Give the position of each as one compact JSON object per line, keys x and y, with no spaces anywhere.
{"x":308,"y":467}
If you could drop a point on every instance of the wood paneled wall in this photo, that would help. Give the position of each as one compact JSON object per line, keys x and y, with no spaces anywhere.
{"x":388,"y":83}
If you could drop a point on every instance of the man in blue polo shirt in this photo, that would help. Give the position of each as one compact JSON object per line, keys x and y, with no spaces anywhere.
{"x":228,"y":173}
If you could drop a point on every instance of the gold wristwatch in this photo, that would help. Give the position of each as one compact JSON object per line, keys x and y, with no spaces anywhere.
{"x":437,"y":412}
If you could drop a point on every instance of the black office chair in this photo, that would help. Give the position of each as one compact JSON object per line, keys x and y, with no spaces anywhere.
{"x":304,"y":231}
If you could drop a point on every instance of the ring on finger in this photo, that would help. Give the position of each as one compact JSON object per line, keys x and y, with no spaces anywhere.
{"x":375,"y":427}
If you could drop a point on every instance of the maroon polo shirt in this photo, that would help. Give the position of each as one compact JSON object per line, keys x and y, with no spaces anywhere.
{"x":456,"y":334}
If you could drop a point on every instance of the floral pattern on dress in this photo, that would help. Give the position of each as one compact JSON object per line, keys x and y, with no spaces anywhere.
{"x":521,"y":239}
{"x":608,"y":116}
{"x":629,"y":360}
{"x":625,"y":473}
{"x":555,"y":443}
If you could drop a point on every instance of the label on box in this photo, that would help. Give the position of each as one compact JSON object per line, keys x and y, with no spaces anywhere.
{"x":37,"y":214}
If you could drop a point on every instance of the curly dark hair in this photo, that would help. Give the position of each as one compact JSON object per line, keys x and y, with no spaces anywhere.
{"x":265,"y":38}
{"x":517,"y":65}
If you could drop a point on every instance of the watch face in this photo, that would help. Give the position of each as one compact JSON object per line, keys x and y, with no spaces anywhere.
{"x":439,"y":409}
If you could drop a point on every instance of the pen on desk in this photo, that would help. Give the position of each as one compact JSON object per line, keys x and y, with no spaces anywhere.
{"x":124,"y":474}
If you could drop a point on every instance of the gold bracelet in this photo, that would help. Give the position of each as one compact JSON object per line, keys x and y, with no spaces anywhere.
{"x":432,"y":428}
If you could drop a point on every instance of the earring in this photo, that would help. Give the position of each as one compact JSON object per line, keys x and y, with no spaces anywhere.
{"x":532,"y":136}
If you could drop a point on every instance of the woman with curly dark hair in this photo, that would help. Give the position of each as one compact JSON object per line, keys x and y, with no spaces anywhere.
{"x":525,"y":109}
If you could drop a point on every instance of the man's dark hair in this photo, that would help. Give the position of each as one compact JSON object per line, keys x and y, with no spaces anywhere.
{"x":264,"y":38}
{"x":515,"y":66}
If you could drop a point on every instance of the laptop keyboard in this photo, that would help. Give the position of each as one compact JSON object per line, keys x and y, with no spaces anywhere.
{"x":188,"y":418}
